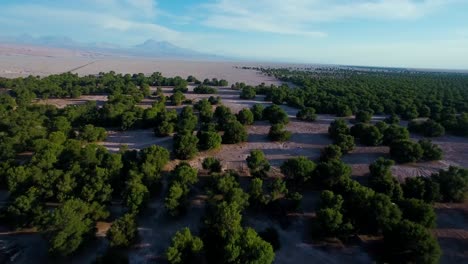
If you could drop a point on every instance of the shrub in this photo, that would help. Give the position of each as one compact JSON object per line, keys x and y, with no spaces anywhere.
{"x":248,"y":92}
{"x":338,"y":127}
{"x":276,"y":115}
{"x":245,"y":117}
{"x":345,"y":142}
{"x":331,"y":152}
{"x":405,"y":151}
{"x":209,"y":140}
{"x":212,"y":164}
{"x":430,"y":151}
{"x":185,"y":146}
{"x":257,"y":110}
{"x":307,"y":114}
{"x":278,"y":133}
{"x":234,"y":133}
{"x":257,"y":163}
{"x":123,"y":231}
{"x":204,"y":89}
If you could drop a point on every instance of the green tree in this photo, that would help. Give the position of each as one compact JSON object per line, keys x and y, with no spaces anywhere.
{"x":338,"y":127}
{"x":257,"y":163}
{"x":279,"y":133}
{"x":419,"y":212}
{"x":405,"y":151}
{"x":91,"y":133}
{"x":67,"y":226}
{"x":234,"y":133}
{"x":177,"y":98}
{"x":185,"y":146}
{"x":248,"y":92}
{"x":174,"y":201}
{"x":363,"y":116}
{"x":212,"y":164}
{"x":209,"y":140}
{"x":345,"y":142}
{"x":257,"y":110}
{"x":153,"y":160}
{"x":408,"y":242}
{"x":187,"y":121}
{"x":430,"y":150}
{"x":307,"y":114}
{"x":136,"y":193}
{"x":331,"y":152}
{"x":422,"y":188}
{"x":123,"y":231}
{"x":275,"y":114}
{"x":245,"y":117}
{"x":332,"y":172}
{"x":298,"y":170}
{"x":453,"y":184}
{"x":371,"y":136}
{"x":185,"y":248}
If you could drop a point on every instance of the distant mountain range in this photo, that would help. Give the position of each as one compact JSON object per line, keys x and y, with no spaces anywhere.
{"x":150,"y":48}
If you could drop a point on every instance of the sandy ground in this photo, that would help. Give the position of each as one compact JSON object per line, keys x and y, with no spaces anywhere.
{"x":16,"y":66}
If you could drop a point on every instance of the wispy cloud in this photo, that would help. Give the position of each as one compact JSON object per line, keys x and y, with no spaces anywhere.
{"x":303,"y":17}
{"x":124,"y":19}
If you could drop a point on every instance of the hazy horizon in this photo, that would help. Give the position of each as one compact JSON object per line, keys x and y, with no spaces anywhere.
{"x":422,"y":34}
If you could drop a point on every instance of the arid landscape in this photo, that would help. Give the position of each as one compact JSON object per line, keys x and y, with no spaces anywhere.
{"x":308,"y":139}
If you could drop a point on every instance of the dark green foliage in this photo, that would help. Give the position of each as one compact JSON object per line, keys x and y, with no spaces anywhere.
{"x":453,"y":184}
{"x":165,"y":123}
{"x":382,"y":181}
{"x":205,"y":89}
{"x":209,"y":140}
{"x":185,"y":248}
{"x":223,"y":116}
{"x":257,"y":110}
{"x":298,"y":170}
{"x":234,"y":133}
{"x":248,"y":92}
{"x":177,"y":98}
{"x":393,"y":119}
{"x":428,"y":128}
{"x":92,"y":134}
{"x":394,"y":133}
{"x":307,"y":114}
{"x":212,"y":164}
{"x":182,"y":178}
{"x":278,"y":133}
{"x":276,"y":115}
{"x":187,"y":121}
{"x":67,"y":226}
{"x":331,"y":152}
{"x":123,"y":231}
{"x":419,"y":212}
{"x":408,"y":242}
{"x":405,"y":151}
{"x":245,"y":117}
{"x":153,"y":160}
{"x":332,"y":172}
{"x":370,"y":136}
{"x":430,"y":150}
{"x":185,"y":146}
{"x":363,"y":116}
{"x":343,"y":110}
{"x":214,"y":100}
{"x":205,"y":110}
{"x":257,"y":163}
{"x":136,"y":193}
{"x":338,"y":127}
{"x":422,"y":188}
{"x":345,"y":142}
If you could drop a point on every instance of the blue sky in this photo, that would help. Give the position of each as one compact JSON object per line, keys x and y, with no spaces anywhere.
{"x":408,"y":33}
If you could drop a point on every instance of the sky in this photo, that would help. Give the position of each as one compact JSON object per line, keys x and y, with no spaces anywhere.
{"x":394,"y":33}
